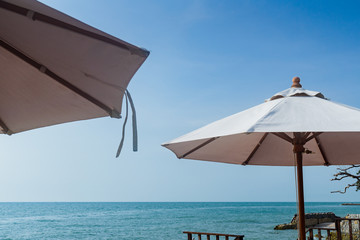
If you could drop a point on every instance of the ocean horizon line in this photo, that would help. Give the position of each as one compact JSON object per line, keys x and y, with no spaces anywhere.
{"x":176,"y":202}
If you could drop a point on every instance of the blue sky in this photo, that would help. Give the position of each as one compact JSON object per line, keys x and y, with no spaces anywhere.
{"x":209,"y":59}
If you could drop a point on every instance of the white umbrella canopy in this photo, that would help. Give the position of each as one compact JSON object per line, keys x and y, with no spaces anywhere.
{"x":295,"y":127}
{"x":252,"y":137}
{"x":56,"y":69}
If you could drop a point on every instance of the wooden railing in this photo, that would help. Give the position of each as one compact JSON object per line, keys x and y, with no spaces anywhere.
{"x":208,"y":235}
{"x":320,"y":231}
{"x":336,"y":231}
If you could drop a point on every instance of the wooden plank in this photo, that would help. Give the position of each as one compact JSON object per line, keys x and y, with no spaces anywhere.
{"x":338,"y":229}
{"x":311,"y":234}
{"x":350,"y":230}
{"x":319,"y":234}
{"x":325,"y":226}
{"x":189,"y":236}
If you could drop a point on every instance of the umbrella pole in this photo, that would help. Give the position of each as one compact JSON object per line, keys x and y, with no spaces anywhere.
{"x":300,"y":185}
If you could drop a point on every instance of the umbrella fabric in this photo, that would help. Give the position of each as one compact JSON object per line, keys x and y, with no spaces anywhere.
{"x":56,"y":69}
{"x":251,"y":136}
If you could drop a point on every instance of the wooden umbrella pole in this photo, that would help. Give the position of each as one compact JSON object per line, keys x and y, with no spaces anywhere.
{"x":298,"y":141}
{"x":300,"y":185}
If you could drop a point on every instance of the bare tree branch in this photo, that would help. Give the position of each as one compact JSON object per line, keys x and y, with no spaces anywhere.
{"x":346,"y":188}
{"x":344,"y":173}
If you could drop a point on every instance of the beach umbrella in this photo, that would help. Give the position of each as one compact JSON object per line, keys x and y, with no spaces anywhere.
{"x":295,"y":127}
{"x":56,"y":69}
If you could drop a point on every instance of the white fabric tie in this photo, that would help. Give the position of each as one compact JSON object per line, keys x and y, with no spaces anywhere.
{"x":134,"y":125}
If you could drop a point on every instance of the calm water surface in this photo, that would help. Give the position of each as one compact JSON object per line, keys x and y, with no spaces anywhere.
{"x":151,"y":220}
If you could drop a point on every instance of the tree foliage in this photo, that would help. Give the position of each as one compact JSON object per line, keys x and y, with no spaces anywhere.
{"x":352,"y":172}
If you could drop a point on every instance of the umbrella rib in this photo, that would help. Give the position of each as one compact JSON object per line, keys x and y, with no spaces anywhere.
{"x":314,"y":135}
{"x":198,"y":147}
{"x":5,"y":128}
{"x":44,"y":18}
{"x":283,"y":136}
{"x":306,"y":135}
{"x":326,"y":162}
{"x":246,"y":162}
{"x":57,"y":78}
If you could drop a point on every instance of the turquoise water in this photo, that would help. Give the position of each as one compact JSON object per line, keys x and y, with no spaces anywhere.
{"x":151,"y":220}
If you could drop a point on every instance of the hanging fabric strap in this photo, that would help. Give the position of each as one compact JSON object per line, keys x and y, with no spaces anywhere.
{"x":123,"y":128}
{"x":128,"y":100}
{"x":134,"y":125}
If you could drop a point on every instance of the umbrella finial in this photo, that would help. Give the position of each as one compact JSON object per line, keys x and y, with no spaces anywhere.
{"x":296,"y":82}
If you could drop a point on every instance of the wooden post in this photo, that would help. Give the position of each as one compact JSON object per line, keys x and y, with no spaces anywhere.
{"x":319,"y":234}
{"x":311,"y":234}
{"x":189,"y":236}
{"x":299,"y":141}
{"x":208,"y":237}
{"x":301,"y":211}
{"x":338,"y":229}
{"x":350,"y":230}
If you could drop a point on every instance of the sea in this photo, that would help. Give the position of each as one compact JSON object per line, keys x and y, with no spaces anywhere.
{"x":153,"y":220}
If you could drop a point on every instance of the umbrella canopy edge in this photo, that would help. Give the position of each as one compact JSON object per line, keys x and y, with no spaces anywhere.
{"x":36,"y":16}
